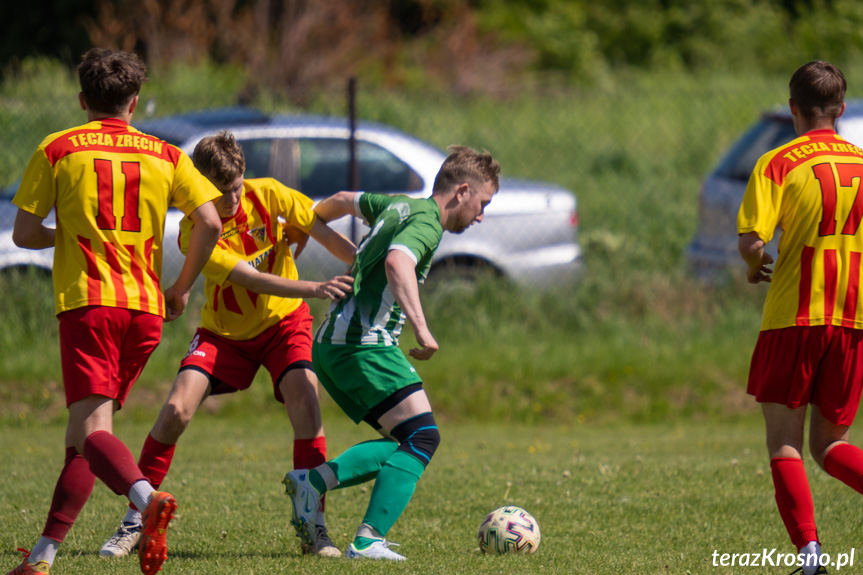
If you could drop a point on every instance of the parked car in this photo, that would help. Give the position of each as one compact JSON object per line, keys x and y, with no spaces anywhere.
{"x":529,"y":233}
{"x":713,"y":250}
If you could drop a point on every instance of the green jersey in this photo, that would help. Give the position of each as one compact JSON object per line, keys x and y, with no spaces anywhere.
{"x":370,"y":314}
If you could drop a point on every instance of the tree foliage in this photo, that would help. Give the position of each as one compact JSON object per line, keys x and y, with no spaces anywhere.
{"x":298,"y":46}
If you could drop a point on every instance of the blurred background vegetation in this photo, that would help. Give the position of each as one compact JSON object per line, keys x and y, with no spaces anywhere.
{"x":626,"y":103}
{"x":299,"y":47}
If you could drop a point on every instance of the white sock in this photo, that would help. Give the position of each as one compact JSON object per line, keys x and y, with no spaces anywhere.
{"x":45,"y":550}
{"x":328,"y":475}
{"x":132,"y":516}
{"x":811,"y":554}
{"x":139,"y":495}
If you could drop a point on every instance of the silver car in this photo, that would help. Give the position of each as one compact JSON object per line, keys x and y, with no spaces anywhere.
{"x":528,"y":235}
{"x":713,"y":250}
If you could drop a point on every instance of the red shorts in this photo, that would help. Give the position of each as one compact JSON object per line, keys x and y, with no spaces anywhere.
{"x":821,"y":365}
{"x":104,"y":349}
{"x":234,"y":363}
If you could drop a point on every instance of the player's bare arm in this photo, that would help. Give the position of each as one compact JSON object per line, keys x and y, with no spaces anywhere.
{"x":30,"y":233}
{"x":337,"y":206}
{"x":402,"y":280}
{"x":751,"y":249}
{"x":202,"y":240}
{"x":250,"y":278}
{"x":336,"y":243}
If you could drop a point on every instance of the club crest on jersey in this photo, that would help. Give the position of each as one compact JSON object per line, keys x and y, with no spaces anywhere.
{"x":403,"y":210}
{"x":259,"y":233}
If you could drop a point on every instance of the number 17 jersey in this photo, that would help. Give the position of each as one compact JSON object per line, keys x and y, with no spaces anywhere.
{"x":812,"y":189}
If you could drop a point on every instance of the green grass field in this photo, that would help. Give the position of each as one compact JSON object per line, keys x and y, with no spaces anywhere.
{"x":610,"y":499}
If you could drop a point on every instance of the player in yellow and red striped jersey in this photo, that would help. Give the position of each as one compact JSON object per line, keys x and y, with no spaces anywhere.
{"x":111,"y":187}
{"x":810,"y":348}
{"x":253,"y":316}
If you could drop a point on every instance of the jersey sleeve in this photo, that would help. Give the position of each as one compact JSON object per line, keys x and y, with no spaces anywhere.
{"x":191,"y":189}
{"x":759,"y":210}
{"x":38,"y":190}
{"x":371,"y":206}
{"x":222,"y":260}
{"x":417,"y":239}
{"x":295,"y":207}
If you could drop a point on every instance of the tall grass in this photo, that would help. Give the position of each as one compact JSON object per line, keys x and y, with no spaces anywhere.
{"x":634,"y":338}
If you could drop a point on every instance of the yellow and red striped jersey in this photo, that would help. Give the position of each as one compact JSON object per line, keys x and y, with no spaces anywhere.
{"x":111,"y":186}
{"x":253,"y":235}
{"x":812,"y":189}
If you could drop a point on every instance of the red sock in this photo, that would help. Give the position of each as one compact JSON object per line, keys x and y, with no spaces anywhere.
{"x":794,"y":499}
{"x":155,"y":461}
{"x":112,"y":462}
{"x":845,"y":463}
{"x":309,"y":453}
{"x":72,"y":491}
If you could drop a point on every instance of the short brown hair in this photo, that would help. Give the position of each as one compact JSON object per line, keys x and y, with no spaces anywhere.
{"x":818,"y":90}
{"x":464,"y":164}
{"x":109,"y":79}
{"x":220,"y":158}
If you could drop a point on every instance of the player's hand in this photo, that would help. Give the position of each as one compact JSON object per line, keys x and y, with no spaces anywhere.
{"x":428,"y":346}
{"x":761,"y":273}
{"x":335,"y":289}
{"x":175,"y":303}
{"x":295,"y":236}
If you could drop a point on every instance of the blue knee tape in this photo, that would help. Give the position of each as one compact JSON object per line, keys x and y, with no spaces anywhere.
{"x":418,"y":437}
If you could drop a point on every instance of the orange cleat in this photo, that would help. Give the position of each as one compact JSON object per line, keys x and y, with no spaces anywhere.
{"x":153,"y":550}
{"x":25,"y":568}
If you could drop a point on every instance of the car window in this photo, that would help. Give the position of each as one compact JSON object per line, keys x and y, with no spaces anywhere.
{"x":258,"y":153}
{"x":767,"y":134}
{"x":324,"y":164}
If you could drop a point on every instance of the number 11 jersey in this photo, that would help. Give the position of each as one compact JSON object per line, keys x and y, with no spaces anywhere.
{"x":112,"y":186}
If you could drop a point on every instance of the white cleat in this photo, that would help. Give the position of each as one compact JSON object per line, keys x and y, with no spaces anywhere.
{"x":323,"y":547}
{"x":305,"y":504}
{"x":377,"y":550}
{"x":123,"y":541}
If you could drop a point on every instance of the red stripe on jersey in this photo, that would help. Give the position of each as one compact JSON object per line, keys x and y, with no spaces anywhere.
{"x":818,"y":143}
{"x":114,"y":135}
{"x":267,"y":220}
{"x":831,"y":284}
{"x":249,"y":245}
{"x":851,"y":294}
{"x":148,"y":263}
{"x":113,"y":261}
{"x":138,"y":275}
{"x":254,"y":297}
{"x":805,"y":290}
{"x":230,"y":299}
{"x":94,"y":282}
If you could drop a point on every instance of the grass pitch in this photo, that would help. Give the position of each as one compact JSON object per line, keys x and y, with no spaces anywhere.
{"x":610,"y":499}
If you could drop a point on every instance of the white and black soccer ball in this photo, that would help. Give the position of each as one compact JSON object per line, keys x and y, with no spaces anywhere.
{"x":509,"y":529}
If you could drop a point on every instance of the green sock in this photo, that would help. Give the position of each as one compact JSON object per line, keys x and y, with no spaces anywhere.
{"x":358,"y":464}
{"x":393,"y":490}
{"x":361,"y":543}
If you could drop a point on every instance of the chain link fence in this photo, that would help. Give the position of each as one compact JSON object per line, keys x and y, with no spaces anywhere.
{"x":632,"y":155}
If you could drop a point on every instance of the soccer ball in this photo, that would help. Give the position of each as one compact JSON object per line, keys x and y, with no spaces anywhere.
{"x":509,"y":529}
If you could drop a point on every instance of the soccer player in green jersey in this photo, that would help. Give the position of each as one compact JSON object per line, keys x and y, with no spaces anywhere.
{"x":356,"y":354}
